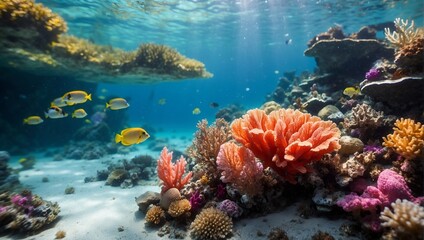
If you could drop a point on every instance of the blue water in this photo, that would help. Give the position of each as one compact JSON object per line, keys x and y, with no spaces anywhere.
{"x":243,"y":43}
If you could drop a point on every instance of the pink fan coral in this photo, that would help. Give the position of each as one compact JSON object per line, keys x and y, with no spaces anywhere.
{"x":239,"y":167}
{"x":172,"y":174}
{"x":286,"y":140}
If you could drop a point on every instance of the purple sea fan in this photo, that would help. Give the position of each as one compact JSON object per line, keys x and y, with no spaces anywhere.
{"x":230,"y":208}
{"x":372,"y":74}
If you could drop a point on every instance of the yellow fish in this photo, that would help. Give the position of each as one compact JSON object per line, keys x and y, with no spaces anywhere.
{"x":117,"y":103}
{"x":88,"y":121}
{"x":162,"y":101}
{"x":131,"y":136}
{"x":58,"y":102}
{"x":196,"y":111}
{"x":75,"y":97}
{"x":351,"y":91}
{"x":55,"y":112}
{"x":33,"y":120}
{"x":79,"y":113}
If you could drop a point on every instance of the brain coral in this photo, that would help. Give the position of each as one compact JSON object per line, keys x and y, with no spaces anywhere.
{"x":286,"y":140}
{"x":407,"y":139}
{"x":211,"y":223}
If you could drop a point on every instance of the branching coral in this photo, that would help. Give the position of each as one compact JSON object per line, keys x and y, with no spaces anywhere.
{"x":26,"y":14}
{"x":286,"y":140}
{"x":407,"y":139}
{"x":155,"y":215}
{"x":406,"y":219}
{"x":364,"y":119}
{"x":206,"y":144}
{"x":211,"y":223}
{"x":172,"y":174}
{"x":158,"y":56}
{"x":239,"y":167}
{"x":404,"y":33}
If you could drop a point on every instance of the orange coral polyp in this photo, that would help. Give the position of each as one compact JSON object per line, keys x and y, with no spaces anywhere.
{"x":286,"y":140}
{"x":172,"y":174}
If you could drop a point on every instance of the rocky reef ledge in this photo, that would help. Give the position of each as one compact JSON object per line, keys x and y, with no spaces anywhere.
{"x":33,"y":39}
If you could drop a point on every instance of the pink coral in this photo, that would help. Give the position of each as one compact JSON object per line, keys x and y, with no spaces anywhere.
{"x":172,"y":174}
{"x":239,"y":167}
{"x":390,"y":187}
{"x":286,"y":140}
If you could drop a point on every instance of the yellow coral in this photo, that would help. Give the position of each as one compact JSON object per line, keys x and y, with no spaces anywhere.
{"x":204,"y":179}
{"x":404,"y":33}
{"x":155,"y":215}
{"x":407,"y":219}
{"x":407,"y":139}
{"x":211,"y":223}
{"x":179,"y":208}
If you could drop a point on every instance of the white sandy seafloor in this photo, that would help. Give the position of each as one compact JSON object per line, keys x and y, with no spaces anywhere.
{"x":96,"y":211}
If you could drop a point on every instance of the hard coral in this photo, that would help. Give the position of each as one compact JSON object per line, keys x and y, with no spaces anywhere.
{"x":364,"y":119}
{"x":179,"y":208}
{"x":407,"y":139}
{"x":410,"y":56}
{"x":206,"y":145}
{"x":26,"y":14}
{"x":286,"y":140}
{"x":404,"y":33}
{"x":155,"y":215}
{"x":172,"y":174}
{"x":239,"y":167}
{"x":211,"y":223}
{"x":406,"y":219}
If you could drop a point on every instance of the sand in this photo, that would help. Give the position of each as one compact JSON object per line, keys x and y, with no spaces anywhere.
{"x":96,"y":211}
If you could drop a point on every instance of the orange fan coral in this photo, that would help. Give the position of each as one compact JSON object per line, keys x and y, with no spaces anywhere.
{"x":407,"y":139}
{"x":286,"y":140}
{"x":239,"y":167}
{"x":172,"y":174}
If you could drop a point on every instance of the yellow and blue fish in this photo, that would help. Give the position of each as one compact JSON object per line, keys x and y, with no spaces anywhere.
{"x":33,"y":120}
{"x":75,"y":97}
{"x":79,"y":113}
{"x":352,"y":91}
{"x":131,"y":136}
{"x":196,"y":111}
{"x":117,"y":104}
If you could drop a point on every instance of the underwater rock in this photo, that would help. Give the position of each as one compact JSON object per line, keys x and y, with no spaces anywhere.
{"x":350,"y":145}
{"x":406,"y":90}
{"x":116,"y":177}
{"x":144,"y":200}
{"x":314,"y":105}
{"x":8,"y":179}
{"x":338,"y":56}
{"x":328,"y":110}
{"x":326,"y":200}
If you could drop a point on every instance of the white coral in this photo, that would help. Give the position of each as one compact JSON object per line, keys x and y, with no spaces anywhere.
{"x":403,"y":34}
{"x":407,"y":218}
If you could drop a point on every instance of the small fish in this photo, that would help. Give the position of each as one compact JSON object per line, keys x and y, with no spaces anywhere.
{"x":33,"y":120}
{"x":55,"y":112}
{"x":75,"y":97}
{"x":214,"y":104}
{"x":79,"y":113}
{"x":162,"y":101}
{"x":351,"y":91}
{"x":88,"y":121}
{"x":58,"y":102}
{"x":117,"y":103}
{"x":196,"y":111}
{"x":131,"y":136}
{"x":104,"y":90}
{"x":289,"y":41}
{"x":101,"y":97}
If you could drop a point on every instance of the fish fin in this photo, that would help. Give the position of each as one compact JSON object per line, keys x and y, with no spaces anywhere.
{"x":73,"y":115}
{"x":52,"y":104}
{"x":25,"y":121}
{"x":107,"y":105}
{"x":88,"y":97}
{"x":118,"y":138}
{"x":46,"y":115}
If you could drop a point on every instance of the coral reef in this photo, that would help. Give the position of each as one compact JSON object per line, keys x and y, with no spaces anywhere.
{"x":179,"y":208}
{"x":25,"y":19}
{"x":144,"y":200}
{"x":406,"y":220}
{"x":364,"y":119}
{"x":168,"y":197}
{"x":170,"y":174}
{"x":26,"y":212}
{"x":8,"y":179}
{"x":230,"y":112}
{"x":286,"y":140}
{"x":155,"y":215}
{"x":239,"y":167}
{"x":404,"y":33}
{"x":212,"y":224}
{"x":407,"y":139}
{"x":230,"y":208}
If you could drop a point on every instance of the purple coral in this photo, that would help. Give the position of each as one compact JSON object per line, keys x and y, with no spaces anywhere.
{"x":373,"y":74}
{"x":230,"y":208}
{"x":196,"y":201}
{"x":378,"y":150}
{"x":24,"y":202}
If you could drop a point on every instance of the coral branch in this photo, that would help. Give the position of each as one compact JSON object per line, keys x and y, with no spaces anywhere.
{"x":172,"y":174}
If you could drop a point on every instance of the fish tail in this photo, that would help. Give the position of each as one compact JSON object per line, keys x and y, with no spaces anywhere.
{"x":73,"y":115}
{"x":107,"y":105}
{"x":52,"y":104}
{"x":46,"y":115}
{"x":25,"y":121}
{"x":88,"y":97}
{"x":118,"y":138}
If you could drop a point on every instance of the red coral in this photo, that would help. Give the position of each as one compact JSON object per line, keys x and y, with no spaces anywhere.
{"x":239,"y":167}
{"x":172,"y":174}
{"x":286,"y":140}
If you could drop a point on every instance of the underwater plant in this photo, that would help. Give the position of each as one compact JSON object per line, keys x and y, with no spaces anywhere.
{"x":286,"y":140}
